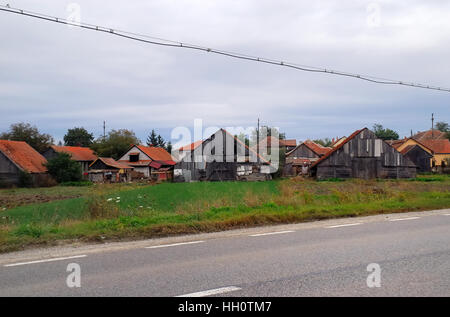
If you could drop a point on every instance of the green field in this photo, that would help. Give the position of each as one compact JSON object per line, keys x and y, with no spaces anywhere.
{"x":48,"y":216}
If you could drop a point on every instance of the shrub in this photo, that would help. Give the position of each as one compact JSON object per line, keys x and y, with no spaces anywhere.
{"x":81,"y":183}
{"x":64,"y":169}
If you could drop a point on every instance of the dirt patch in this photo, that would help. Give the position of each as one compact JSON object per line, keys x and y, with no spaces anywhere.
{"x":12,"y":201}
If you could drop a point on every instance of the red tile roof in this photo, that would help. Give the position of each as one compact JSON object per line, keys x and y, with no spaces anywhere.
{"x":108,"y":161}
{"x":337,"y":147}
{"x":77,"y":153}
{"x":441,"y":146}
{"x":24,"y":156}
{"x":191,"y":147}
{"x":429,"y":134}
{"x":317,"y":148}
{"x":156,"y":153}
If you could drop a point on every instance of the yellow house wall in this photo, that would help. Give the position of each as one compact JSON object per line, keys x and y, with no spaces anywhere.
{"x":440,"y":157}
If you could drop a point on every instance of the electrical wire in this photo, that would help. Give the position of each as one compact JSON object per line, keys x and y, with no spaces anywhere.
{"x":170,"y":43}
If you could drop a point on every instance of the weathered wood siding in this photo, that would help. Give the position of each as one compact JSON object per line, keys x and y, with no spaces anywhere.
{"x":421,"y":158}
{"x":302,"y":151}
{"x":9,"y":172}
{"x":366,"y":156}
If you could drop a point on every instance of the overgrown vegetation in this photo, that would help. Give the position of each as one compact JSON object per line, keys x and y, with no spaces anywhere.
{"x":99,"y":213}
{"x":63,"y":169}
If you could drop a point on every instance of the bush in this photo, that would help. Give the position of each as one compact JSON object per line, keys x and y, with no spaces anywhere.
{"x":64,"y":169}
{"x":25,"y":179}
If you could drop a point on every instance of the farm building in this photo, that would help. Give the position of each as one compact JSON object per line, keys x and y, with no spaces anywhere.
{"x":363,"y":155}
{"x":17,"y":157}
{"x":108,"y":170}
{"x":152,"y":162}
{"x":221,"y":157}
{"x":418,"y":156}
{"x":432,"y":134}
{"x":438,"y":148}
{"x":83,"y":155}
{"x":302,"y":156}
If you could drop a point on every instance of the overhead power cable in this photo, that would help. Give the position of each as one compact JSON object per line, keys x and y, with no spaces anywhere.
{"x":169,"y":43}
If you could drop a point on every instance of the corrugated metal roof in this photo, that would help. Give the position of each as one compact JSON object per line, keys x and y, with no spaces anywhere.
{"x":77,"y":153}
{"x":24,"y":156}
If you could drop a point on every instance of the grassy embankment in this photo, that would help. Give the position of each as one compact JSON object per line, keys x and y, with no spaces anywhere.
{"x":108,"y":212}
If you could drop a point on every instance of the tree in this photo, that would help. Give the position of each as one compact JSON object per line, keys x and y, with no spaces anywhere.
{"x":152,"y":139}
{"x":324,"y":142}
{"x":169,"y":147}
{"x":115,"y":144}
{"x":78,"y":137}
{"x":160,"y":142}
{"x":266,"y":131}
{"x":29,"y":134}
{"x":63,"y":168}
{"x":384,"y":134}
{"x":442,"y":126}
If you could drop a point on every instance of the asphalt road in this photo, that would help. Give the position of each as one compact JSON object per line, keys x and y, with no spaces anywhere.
{"x":326,"y":258}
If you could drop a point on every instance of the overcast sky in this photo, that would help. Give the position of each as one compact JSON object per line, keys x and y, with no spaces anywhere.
{"x":58,"y":77}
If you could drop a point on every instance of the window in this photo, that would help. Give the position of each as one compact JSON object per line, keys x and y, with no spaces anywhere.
{"x":134,"y":157}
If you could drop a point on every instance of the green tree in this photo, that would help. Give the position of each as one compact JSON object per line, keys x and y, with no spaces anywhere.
{"x":384,"y":134}
{"x":442,"y":126}
{"x":78,"y":137}
{"x":63,"y":168}
{"x":324,"y":142}
{"x":160,"y":142}
{"x":29,"y":134}
{"x":115,"y":144}
{"x":152,"y":139}
{"x":169,"y":147}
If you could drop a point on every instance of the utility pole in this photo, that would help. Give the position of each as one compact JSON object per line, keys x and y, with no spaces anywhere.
{"x":104,"y":130}
{"x":257,"y":143}
{"x":432,"y":125}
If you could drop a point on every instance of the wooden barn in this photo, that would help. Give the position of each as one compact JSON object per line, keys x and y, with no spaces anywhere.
{"x":418,"y":156}
{"x":151,"y":162}
{"x":363,"y":155}
{"x":108,"y":170}
{"x":17,"y":157}
{"x":302,"y":156}
{"x":83,"y":155}
{"x":221,"y":157}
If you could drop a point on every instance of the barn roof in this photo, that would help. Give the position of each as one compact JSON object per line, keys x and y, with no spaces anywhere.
{"x":412,"y":146}
{"x":77,"y":153}
{"x":440,"y":146}
{"x":337,"y":147}
{"x":191,"y":147}
{"x":429,"y":134}
{"x":316,"y":148}
{"x":24,"y":156}
{"x":156,"y":153}
{"x":108,"y":161}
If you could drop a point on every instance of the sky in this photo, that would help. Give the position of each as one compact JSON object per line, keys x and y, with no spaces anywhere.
{"x":57,"y":77}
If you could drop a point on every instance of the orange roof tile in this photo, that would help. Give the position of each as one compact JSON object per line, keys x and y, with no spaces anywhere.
{"x":191,"y":147}
{"x":77,"y":153}
{"x":317,"y":148}
{"x":440,"y":146}
{"x":24,"y":156}
{"x":156,"y":153}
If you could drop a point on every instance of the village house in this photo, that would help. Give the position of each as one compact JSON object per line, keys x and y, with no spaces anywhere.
{"x":439,"y":149}
{"x":363,"y":155}
{"x":221,"y":157}
{"x":302,"y":156}
{"x":83,"y":155}
{"x":108,"y":170}
{"x":16,"y":158}
{"x":151,"y":162}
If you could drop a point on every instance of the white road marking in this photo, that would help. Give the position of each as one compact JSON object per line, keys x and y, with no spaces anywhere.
{"x":345,"y":225}
{"x":401,"y":219}
{"x":270,"y":233}
{"x":446,"y":214}
{"x":212,"y":292}
{"x":47,"y":260}
{"x":173,"y":245}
